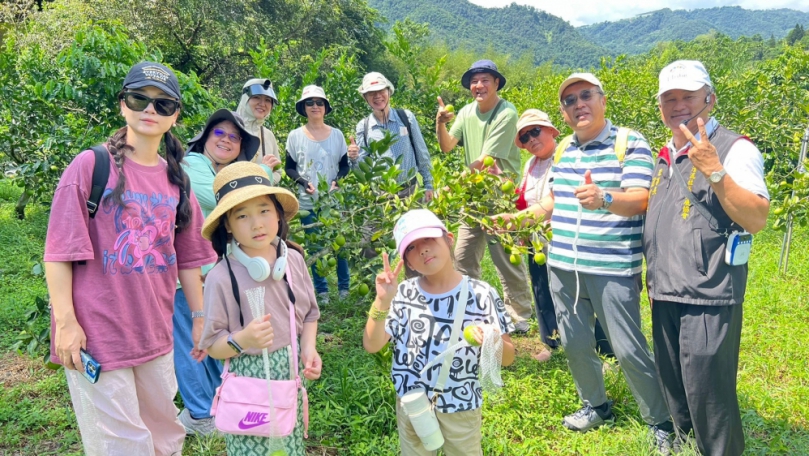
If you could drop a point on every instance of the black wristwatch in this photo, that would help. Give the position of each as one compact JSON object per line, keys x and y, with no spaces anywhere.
{"x":236,"y":347}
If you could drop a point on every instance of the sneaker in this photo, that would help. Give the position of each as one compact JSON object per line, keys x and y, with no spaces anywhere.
{"x":521,"y":328}
{"x":323,"y":298}
{"x":586,"y":419}
{"x":663,"y":440}
{"x":201,"y":427}
{"x":344,"y":294}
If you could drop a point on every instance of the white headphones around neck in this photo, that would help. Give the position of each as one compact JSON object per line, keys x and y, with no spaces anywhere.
{"x":258,"y":267}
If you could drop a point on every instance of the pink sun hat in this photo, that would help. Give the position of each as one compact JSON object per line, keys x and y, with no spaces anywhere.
{"x":416,"y":224}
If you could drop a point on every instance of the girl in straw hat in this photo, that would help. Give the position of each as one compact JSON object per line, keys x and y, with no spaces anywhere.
{"x":254,"y":215}
{"x":112,"y":277}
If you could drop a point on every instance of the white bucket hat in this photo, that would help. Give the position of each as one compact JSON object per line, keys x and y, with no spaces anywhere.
{"x":311,"y":91}
{"x":687,"y":75}
{"x":373,"y":82}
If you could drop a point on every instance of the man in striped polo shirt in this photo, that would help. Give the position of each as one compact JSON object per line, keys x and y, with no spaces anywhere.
{"x":599,"y":191}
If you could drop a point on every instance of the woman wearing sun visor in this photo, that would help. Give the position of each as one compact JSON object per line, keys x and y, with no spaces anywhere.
{"x":257,"y":102}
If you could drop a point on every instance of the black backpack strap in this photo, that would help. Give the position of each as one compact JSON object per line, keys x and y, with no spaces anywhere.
{"x":365,"y":131}
{"x":403,"y":117}
{"x":101,"y":174}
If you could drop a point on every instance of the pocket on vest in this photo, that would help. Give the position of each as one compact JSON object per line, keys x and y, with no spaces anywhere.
{"x":699,"y":252}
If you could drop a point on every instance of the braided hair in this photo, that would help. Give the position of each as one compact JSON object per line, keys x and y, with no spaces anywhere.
{"x":174,"y":152}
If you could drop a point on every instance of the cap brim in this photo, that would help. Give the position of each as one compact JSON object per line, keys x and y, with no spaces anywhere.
{"x":690,"y":86}
{"x":287,"y":200}
{"x":420,"y":233}
{"x":153,"y":83}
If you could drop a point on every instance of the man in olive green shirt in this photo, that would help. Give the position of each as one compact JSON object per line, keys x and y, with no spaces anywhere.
{"x":487,"y":128}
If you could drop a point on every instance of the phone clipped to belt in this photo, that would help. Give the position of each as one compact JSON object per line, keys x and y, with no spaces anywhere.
{"x":91,"y":367}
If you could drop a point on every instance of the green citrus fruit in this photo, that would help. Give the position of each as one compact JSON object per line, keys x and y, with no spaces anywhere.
{"x":332,"y":262}
{"x":54,"y":168}
{"x":488,"y":161}
{"x":508,"y":187}
{"x":449,"y":108}
{"x":52,"y":366}
{"x":778,"y":211}
{"x":515,"y":259}
{"x":340,"y":240}
{"x":363,"y":289}
{"x":549,"y":235}
{"x":469,"y":336}
{"x":539,"y":258}
{"x":391,"y":243}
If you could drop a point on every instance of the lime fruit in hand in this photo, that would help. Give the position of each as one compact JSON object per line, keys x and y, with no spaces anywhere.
{"x":449,"y":108}
{"x":363,"y":289}
{"x":488,"y":162}
{"x":469,"y":336}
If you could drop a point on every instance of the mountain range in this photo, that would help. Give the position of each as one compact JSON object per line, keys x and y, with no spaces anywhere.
{"x":519,"y":29}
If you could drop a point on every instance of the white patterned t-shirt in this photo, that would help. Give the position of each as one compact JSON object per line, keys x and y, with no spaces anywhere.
{"x":420,"y":325}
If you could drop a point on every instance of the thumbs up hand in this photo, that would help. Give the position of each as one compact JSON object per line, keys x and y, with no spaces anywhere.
{"x":444,"y":115}
{"x":590,"y":196}
{"x":353,"y":149}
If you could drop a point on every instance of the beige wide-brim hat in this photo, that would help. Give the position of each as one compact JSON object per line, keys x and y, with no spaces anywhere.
{"x":533,"y":117}
{"x":240,"y":182}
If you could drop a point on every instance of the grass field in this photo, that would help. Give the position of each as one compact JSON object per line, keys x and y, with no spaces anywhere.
{"x":351,"y":406}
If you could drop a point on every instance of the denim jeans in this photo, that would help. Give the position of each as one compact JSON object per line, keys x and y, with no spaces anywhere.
{"x":197,"y":381}
{"x":343,"y":274}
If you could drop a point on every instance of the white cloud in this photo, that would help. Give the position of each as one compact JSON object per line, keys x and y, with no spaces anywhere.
{"x":581,"y":12}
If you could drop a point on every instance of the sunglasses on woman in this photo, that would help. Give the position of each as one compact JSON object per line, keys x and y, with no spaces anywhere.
{"x":310,"y":103}
{"x":532,"y":133}
{"x":585,"y":95}
{"x":162,"y":106}
{"x":234,"y":138}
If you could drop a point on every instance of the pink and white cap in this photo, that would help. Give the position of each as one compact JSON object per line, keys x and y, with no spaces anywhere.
{"x":416,"y":224}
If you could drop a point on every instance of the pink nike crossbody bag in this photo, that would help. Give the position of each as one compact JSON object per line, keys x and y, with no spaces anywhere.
{"x":241,"y":405}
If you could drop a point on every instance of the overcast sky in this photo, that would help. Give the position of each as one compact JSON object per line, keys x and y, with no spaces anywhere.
{"x":581,"y":12}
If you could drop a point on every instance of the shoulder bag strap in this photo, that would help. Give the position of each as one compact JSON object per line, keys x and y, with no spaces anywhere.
{"x":365,"y":131}
{"x":694,"y":202}
{"x":489,"y":122}
{"x":561,"y":148}
{"x":460,"y":311}
{"x":293,"y":333}
{"x":403,"y":117}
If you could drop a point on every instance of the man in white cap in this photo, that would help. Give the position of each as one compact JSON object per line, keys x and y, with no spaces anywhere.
{"x":486,"y":128}
{"x":376,"y":89}
{"x":708,"y":194}
{"x":599,"y":188}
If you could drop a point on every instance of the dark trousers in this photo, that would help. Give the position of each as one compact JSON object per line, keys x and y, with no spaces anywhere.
{"x":546,"y":314}
{"x":697,"y":357}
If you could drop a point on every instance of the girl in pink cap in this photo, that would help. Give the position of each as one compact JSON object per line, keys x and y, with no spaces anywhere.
{"x":417,"y":316}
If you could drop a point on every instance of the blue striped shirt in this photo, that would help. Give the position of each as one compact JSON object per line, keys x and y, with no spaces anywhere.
{"x":607,"y":244}
{"x":401,"y":147}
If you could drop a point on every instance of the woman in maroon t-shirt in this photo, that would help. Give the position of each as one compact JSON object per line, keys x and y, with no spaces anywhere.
{"x":112,"y":279}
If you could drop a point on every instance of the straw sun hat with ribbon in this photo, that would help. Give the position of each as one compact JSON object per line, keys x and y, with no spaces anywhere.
{"x":240,"y":182}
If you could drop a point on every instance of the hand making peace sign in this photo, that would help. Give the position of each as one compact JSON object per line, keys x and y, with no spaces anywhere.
{"x":387,"y":281}
{"x":702,"y":153}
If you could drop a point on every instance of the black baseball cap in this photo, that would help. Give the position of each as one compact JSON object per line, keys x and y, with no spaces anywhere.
{"x":153,"y":74}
